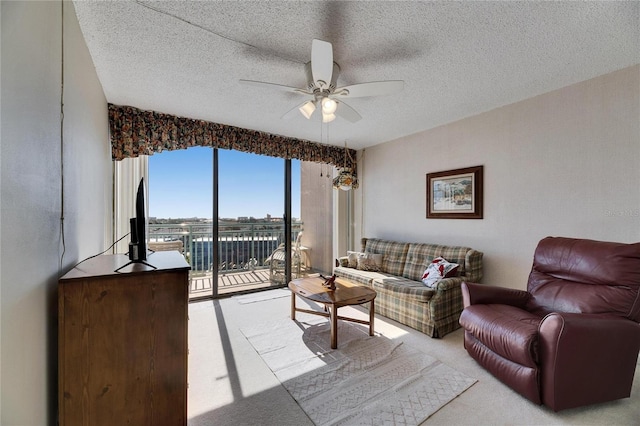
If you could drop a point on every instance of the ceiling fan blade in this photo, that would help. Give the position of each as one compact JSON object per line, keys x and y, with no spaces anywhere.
{"x":275,"y":86}
{"x":348,"y":113}
{"x":373,"y":88}
{"x":296,"y":110}
{"x":321,"y":61}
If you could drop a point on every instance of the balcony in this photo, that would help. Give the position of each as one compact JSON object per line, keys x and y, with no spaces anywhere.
{"x":244,"y":251}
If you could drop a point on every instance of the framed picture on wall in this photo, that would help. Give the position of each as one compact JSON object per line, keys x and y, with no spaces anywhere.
{"x":455,"y":194}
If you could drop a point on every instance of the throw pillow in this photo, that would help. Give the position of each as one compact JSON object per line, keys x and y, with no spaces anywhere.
{"x":343,"y":261}
{"x":352,"y":257}
{"x":438,"y":269}
{"x":369,"y":262}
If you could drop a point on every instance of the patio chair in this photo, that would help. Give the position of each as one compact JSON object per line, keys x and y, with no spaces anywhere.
{"x":300,"y":264}
{"x":166,"y":246}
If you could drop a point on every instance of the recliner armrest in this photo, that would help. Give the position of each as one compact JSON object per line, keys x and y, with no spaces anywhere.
{"x":480,"y":294}
{"x":586,"y":358}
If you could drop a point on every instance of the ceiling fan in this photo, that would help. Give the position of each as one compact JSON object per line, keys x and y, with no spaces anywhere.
{"x":321,"y":91}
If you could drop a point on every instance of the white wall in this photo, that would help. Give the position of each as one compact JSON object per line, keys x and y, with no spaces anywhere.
{"x":32,"y":253}
{"x":316,"y":204}
{"x":566,"y":163}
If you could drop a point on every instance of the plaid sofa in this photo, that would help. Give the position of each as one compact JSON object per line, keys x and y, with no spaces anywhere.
{"x":401,"y":294}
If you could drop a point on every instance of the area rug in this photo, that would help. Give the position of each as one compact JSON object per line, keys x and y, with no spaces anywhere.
{"x":370,"y":380}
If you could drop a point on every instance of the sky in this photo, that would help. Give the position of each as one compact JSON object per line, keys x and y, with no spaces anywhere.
{"x":181,"y":184}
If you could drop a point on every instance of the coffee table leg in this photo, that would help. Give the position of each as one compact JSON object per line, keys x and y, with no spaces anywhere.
{"x":372,"y":312}
{"x":333,"y":312}
{"x":293,"y":305}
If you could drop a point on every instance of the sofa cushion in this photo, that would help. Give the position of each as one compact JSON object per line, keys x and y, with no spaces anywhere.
{"x":403,"y":288}
{"x":419,"y":256}
{"x":357,"y":276}
{"x":394,"y":254}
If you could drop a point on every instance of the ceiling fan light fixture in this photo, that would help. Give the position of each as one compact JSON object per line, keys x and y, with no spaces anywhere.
{"x":328,"y":118}
{"x":322,"y":85}
{"x":329,"y":106}
{"x":307,"y":109}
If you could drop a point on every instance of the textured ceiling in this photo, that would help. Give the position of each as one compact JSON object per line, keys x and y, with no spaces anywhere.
{"x":457,"y":59}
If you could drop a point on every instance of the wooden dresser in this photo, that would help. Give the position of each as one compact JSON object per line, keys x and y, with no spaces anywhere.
{"x":122,"y":342}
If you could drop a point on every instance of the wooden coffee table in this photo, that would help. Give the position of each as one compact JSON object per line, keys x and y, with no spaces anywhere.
{"x":346,"y":293}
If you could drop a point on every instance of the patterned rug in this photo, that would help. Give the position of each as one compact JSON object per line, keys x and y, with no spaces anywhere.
{"x":367,"y":380}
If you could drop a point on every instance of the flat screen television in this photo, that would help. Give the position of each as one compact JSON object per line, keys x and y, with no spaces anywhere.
{"x":138,"y":224}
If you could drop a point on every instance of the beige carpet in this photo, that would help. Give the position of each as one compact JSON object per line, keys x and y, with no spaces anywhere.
{"x":367,"y":380}
{"x":261,"y":296}
{"x":231,"y":385}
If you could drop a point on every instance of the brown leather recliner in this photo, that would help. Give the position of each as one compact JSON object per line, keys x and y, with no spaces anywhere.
{"x":573,"y":337}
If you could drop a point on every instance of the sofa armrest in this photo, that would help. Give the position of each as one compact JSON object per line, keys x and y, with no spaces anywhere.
{"x":478,"y":294}
{"x":587,"y":358}
{"x":473,"y":265}
{"x":449,"y":283}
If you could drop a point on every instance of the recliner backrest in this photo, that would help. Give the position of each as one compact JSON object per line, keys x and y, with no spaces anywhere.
{"x":585,"y":276}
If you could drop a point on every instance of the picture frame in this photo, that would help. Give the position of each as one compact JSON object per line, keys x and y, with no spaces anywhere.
{"x":455,"y":194}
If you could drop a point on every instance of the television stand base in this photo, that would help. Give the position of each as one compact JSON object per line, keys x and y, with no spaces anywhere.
{"x":135,"y":261}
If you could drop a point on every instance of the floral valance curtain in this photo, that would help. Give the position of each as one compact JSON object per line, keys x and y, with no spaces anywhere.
{"x":136,"y":132}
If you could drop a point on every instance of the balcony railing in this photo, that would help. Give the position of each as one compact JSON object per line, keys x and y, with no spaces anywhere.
{"x":241,"y":246}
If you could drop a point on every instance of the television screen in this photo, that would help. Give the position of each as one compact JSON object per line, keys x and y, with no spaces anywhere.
{"x":138,"y":244}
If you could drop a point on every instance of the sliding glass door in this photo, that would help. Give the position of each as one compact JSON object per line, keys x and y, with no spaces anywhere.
{"x":229,"y":212}
{"x":180,"y":210}
{"x":252,"y":193}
